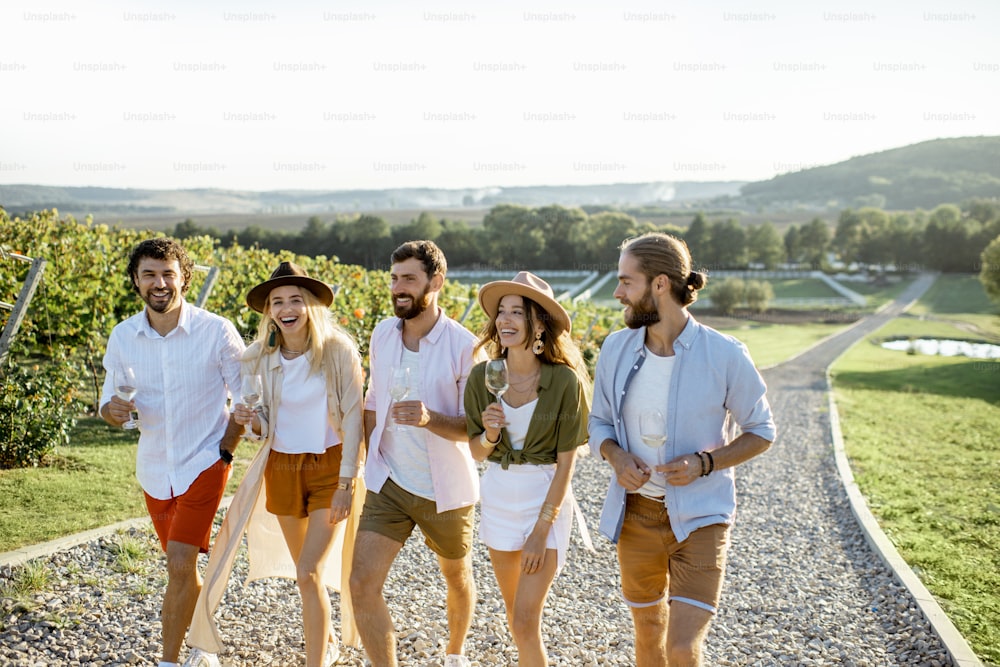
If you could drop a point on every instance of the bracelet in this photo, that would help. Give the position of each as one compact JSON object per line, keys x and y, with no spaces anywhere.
{"x":706,"y":471}
{"x":492,"y":443}
{"x":549,"y":512}
{"x":345,"y":486}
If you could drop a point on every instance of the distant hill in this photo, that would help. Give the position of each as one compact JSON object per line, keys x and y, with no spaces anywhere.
{"x":131,"y":202}
{"x":917,"y":176}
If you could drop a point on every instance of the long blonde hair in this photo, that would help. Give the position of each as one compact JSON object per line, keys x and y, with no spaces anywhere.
{"x":322,"y":331}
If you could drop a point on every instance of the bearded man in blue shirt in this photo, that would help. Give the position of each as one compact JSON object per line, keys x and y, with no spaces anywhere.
{"x":667,"y":391}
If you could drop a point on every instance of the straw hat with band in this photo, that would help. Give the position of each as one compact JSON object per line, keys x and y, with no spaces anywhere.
{"x":288,"y":273}
{"x":525,"y":284}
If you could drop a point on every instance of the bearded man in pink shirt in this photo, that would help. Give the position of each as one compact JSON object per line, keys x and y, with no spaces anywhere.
{"x":419,"y":471}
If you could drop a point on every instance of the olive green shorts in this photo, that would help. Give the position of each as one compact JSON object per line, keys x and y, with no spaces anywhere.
{"x":394,"y":512}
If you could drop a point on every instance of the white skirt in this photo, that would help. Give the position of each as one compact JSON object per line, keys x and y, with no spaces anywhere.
{"x":511,"y":500}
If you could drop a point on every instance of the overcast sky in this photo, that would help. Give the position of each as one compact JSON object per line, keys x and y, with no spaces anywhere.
{"x":316,"y":95}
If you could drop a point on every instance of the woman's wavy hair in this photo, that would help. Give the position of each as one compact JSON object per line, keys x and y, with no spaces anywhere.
{"x":558,"y":349}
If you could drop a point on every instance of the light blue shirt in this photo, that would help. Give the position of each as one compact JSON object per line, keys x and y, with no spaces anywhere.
{"x":714,"y":378}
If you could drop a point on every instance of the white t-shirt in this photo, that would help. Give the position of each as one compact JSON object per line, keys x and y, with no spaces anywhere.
{"x":518,"y":420}
{"x":406,"y":451}
{"x":649,"y":391}
{"x":302,"y":426}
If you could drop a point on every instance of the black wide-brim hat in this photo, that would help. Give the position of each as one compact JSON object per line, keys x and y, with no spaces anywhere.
{"x":288,"y":273}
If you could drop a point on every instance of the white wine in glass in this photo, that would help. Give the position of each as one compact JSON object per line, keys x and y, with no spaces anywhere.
{"x":497,"y":380}
{"x":250,"y":392}
{"x":399,"y":387}
{"x":125,"y":390}
{"x":653,"y":428}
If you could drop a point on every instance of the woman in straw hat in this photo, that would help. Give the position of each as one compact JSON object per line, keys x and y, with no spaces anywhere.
{"x":529,"y":439}
{"x":310,"y":419}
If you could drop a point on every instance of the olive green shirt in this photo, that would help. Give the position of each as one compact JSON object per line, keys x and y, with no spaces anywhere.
{"x":559,"y":423}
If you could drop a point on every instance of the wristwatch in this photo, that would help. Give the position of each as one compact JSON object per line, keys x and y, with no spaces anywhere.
{"x":225,"y":455}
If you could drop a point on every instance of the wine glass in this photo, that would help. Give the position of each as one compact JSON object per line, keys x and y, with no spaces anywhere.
{"x":250,"y":392}
{"x":496,"y":377}
{"x":653,"y":428}
{"x":125,"y":390}
{"x":399,"y":387}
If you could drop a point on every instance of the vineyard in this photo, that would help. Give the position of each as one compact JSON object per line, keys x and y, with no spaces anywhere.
{"x":54,"y":372}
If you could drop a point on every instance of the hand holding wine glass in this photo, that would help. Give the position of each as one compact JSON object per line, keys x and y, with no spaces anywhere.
{"x":251,"y":392}
{"x":399,"y":387}
{"x":125,"y":388}
{"x":497,"y":381}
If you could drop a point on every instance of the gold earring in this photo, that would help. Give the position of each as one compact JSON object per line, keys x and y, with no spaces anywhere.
{"x":538,"y":346}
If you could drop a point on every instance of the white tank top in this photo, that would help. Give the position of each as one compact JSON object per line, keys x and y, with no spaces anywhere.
{"x":302,"y":425}
{"x":518,"y":420}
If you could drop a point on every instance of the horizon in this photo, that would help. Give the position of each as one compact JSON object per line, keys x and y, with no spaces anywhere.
{"x":387,"y":96}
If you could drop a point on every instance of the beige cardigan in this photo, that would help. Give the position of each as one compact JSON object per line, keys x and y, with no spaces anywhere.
{"x":266,"y":546}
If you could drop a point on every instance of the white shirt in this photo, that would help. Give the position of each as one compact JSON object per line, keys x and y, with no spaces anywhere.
{"x":405,"y":451}
{"x":183,"y":381}
{"x":302,"y":426}
{"x":446,"y":360}
{"x":650,"y":391}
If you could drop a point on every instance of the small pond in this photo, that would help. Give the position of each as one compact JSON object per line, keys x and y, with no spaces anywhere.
{"x":945,"y":348}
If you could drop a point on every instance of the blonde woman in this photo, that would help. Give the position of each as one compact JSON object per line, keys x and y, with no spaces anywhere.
{"x":310,"y":420}
{"x":529,"y":438}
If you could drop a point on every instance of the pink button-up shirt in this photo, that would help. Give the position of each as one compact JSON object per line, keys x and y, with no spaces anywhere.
{"x":445,"y":361}
{"x":183,"y":381}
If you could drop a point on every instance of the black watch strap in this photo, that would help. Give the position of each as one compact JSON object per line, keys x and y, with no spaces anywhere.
{"x":225,"y":455}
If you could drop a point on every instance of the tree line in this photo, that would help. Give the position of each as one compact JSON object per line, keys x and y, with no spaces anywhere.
{"x":949,"y":238}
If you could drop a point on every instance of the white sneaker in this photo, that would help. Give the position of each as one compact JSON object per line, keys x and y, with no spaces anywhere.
{"x":457,"y":661}
{"x":199,"y":658}
{"x":332,"y":656}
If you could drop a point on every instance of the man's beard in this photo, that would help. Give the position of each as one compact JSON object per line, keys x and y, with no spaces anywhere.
{"x":418,"y":304}
{"x":160,"y":306}
{"x":643,"y":313}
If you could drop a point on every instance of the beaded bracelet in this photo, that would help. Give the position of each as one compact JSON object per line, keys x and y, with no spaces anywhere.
{"x":705,"y":472}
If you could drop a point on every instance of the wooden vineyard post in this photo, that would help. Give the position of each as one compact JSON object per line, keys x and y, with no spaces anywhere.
{"x":19,"y":307}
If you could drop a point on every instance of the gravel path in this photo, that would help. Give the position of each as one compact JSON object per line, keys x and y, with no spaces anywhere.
{"x":803,"y":586}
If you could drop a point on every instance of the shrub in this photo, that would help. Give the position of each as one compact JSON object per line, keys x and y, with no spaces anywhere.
{"x":37,"y":412}
{"x":728,"y":294}
{"x":758,"y":295}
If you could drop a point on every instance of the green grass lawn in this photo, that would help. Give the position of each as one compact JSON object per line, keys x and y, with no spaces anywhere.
{"x":770,"y":344}
{"x":961,"y":298}
{"x":923,"y":437}
{"x":90,"y":484}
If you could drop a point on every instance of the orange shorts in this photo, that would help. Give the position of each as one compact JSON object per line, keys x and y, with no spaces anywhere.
{"x":298,"y":484}
{"x":188,"y":518}
{"x":654,"y":564}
